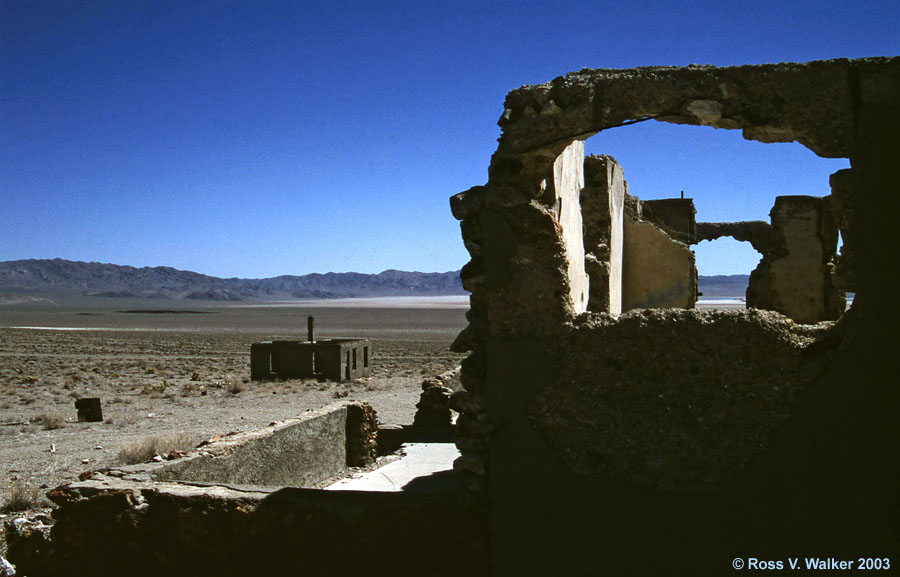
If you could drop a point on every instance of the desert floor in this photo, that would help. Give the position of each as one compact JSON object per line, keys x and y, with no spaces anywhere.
{"x":176,"y":369}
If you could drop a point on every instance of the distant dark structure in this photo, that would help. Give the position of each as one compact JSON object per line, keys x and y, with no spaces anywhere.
{"x":89,"y":410}
{"x":332,"y":359}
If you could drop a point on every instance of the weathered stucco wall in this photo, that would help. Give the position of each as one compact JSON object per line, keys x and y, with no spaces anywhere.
{"x":657,"y":271}
{"x":603,"y":210}
{"x":568,"y":181}
{"x":581,"y":468}
{"x":795,"y":275}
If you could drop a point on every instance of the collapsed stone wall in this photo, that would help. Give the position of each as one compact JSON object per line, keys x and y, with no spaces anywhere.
{"x":561,"y":405}
{"x":433,"y":408}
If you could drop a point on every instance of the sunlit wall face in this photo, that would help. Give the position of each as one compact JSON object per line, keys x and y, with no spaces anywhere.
{"x":729,"y":178}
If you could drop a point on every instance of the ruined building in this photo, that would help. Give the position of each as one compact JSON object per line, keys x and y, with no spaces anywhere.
{"x":333,"y":359}
{"x":606,"y":427}
{"x":637,"y":253}
{"x":670,"y":441}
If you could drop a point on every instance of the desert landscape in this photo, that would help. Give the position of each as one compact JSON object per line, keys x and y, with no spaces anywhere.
{"x":441,"y":289}
{"x":176,"y":373}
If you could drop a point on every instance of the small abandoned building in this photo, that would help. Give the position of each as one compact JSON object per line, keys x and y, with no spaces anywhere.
{"x":332,"y":359}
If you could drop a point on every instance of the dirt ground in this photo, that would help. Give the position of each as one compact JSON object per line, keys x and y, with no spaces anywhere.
{"x":183,"y":369}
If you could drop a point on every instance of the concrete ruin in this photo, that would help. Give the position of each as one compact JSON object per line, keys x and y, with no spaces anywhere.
{"x":797,"y":275}
{"x":661,"y":441}
{"x":637,"y":252}
{"x":333,"y":359}
{"x":596,"y":439}
{"x":253,"y":504}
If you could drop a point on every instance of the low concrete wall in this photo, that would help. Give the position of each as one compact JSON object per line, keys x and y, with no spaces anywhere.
{"x":241,"y":506}
{"x":296,"y":453}
{"x":299,"y":452}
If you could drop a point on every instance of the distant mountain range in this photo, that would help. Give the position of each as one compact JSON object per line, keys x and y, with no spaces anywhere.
{"x":39,"y":277}
{"x":723,"y":286}
{"x":161,"y":282}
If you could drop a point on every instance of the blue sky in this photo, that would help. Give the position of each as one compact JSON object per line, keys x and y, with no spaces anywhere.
{"x":253,"y":139}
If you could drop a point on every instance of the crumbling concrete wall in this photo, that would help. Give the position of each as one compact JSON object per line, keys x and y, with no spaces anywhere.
{"x":676,"y":216}
{"x":568,"y":181}
{"x":147,"y":529}
{"x":667,"y":442}
{"x":635,"y":260}
{"x":603,"y":210}
{"x":844,"y":195}
{"x":758,"y":233}
{"x":657,"y":270}
{"x":298,"y":452}
{"x":676,"y":385}
{"x":795,"y":275}
{"x":224,"y":510}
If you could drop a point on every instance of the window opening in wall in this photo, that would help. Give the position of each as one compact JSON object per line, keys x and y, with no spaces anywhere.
{"x":366,"y":357}
{"x":725,"y":258}
{"x":354,"y":359}
{"x":729,"y":179}
{"x":347,"y":365}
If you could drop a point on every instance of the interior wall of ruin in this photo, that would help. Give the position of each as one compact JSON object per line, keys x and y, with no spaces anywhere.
{"x":657,"y":271}
{"x":676,"y":216}
{"x":844,"y":192}
{"x":603,"y":211}
{"x":568,"y":181}
{"x":795,"y":275}
{"x":588,"y":438}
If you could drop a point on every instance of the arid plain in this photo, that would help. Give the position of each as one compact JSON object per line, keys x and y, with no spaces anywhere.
{"x":176,"y":370}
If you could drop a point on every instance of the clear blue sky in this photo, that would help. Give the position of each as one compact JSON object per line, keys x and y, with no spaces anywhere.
{"x":254,"y":139}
